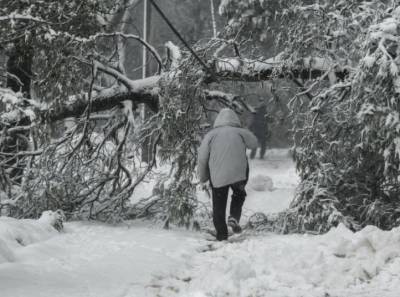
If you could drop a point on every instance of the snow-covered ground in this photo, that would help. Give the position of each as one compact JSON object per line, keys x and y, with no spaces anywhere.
{"x":135,"y":259}
{"x":272,"y":182}
{"x":95,"y":260}
{"x":339,"y":263}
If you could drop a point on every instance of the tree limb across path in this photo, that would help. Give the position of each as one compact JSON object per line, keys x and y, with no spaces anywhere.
{"x":147,"y":90}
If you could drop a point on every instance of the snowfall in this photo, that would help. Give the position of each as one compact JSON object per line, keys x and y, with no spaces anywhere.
{"x":141,"y":259}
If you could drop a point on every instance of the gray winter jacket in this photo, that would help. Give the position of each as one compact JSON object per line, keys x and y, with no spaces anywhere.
{"x":222,"y":153}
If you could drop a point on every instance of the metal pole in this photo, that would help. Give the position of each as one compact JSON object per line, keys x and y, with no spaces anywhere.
{"x":144,"y":52}
{"x":145,"y":34}
{"x":214,"y":24}
{"x":147,"y":145}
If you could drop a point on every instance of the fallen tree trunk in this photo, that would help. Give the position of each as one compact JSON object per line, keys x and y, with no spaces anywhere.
{"x":146,"y":90}
{"x":236,"y":69}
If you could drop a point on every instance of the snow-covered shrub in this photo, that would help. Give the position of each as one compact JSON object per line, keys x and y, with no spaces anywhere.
{"x":348,"y":157}
{"x":54,"y":36}
{"x":346,"y":132}
{"x":89,"y":180}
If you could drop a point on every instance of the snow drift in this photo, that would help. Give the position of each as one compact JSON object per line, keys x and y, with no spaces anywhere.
{"x":261,"y":183}
{"x":339,"y":263}
{"x":16,"y":233}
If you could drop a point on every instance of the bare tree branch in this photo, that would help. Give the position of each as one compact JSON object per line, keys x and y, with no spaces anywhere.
{"x":150,"y":48}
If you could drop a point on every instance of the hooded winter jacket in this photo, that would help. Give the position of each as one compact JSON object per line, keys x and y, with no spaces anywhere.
{"x":222,"y":153}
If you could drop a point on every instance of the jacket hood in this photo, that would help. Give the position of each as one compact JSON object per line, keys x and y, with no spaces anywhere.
{"x":227,"y":117}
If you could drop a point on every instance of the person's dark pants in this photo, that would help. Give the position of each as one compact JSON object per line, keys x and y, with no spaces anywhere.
{"x":263,"y":148}
{"x":220,"y":198}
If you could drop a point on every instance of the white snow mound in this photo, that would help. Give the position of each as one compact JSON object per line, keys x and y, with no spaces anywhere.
{"x":16,"y":233}
{"x":261,"y":183}
{"x":339,"y":263}
{"x":368,"y":251}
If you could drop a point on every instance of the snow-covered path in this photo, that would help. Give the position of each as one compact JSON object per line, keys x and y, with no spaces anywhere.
{"x":337,"y":264}
{"x":95,"y":260}
{"x":135,"y":260}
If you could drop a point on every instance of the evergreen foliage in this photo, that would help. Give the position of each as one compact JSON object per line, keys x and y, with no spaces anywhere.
{"x":348,"y":155}
{"x":346,"y":134}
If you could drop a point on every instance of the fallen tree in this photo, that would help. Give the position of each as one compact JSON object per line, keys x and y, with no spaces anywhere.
{"x":122,"y":99}
{"x":89,"y":172}
{"x":348,"y":167}
{"x":146,"y":90}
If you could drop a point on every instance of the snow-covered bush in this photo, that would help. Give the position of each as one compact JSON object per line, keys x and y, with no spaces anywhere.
{"x":54,"y":35}
{"x":346,"y":132}
{"x":348,"y":156}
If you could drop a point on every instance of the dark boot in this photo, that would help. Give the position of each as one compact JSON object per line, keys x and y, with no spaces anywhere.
{"x":234,"y":225}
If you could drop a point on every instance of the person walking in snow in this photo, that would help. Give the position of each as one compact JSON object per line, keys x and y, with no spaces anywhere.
{"x":259,"y":127}
{"x":222,"y":160}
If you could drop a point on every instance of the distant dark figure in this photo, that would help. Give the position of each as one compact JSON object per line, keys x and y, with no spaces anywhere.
{"x":259,"y":127}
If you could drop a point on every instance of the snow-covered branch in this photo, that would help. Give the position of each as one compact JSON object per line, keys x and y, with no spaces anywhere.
{"x":261,"y":70}
{"x":21,"y":17}
{"x":149,"y":47}
{"x":229,"y":100}
{"x":142,"y":91}
{"x":146,"y":90}
{"x":174,"y":54}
